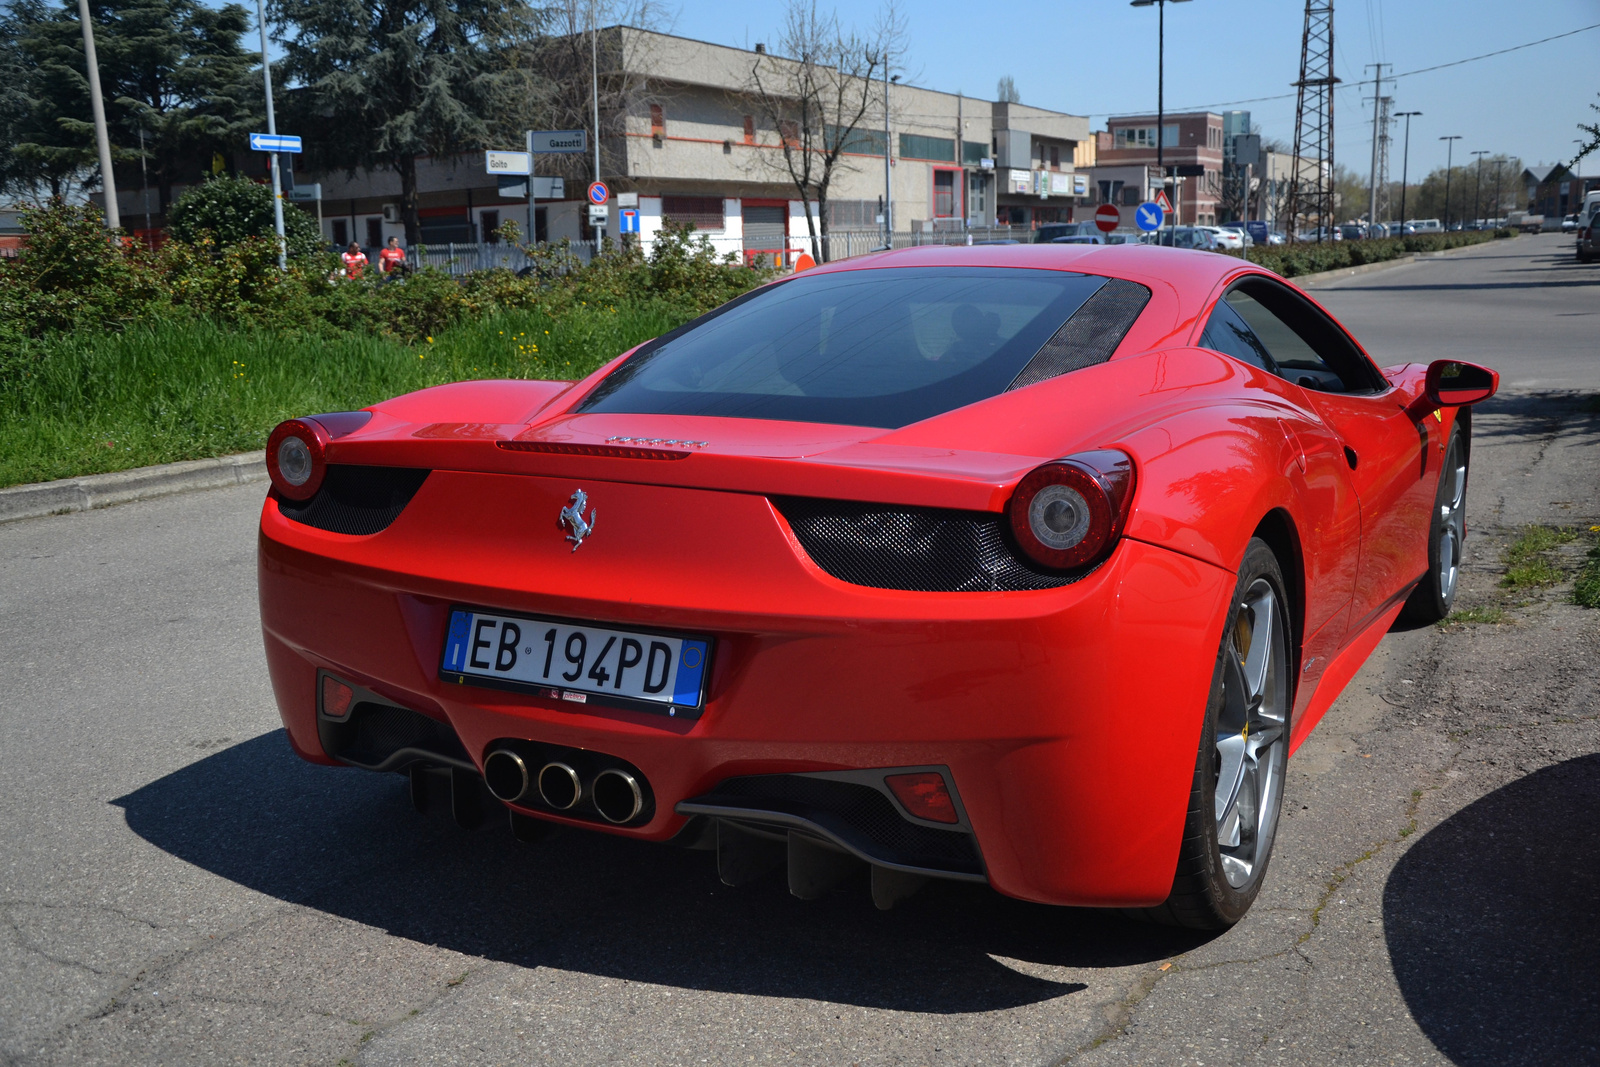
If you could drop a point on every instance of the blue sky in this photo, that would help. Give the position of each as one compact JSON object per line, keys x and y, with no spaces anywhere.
{"x":1099,"y":58}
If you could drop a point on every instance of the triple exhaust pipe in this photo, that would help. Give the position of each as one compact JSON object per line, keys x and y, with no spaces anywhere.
{"x":615,"y":793}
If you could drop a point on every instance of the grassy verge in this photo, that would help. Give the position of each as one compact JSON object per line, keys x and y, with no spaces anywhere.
{"x":1529,"y":561}
{"x":103,"y":402}
{"x":1488,"y":614}
{"x":1586,"y":591}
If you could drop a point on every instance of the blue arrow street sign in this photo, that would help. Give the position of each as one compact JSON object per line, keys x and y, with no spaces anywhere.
{"x":1148,"y":216}
{"x":274,"y":142}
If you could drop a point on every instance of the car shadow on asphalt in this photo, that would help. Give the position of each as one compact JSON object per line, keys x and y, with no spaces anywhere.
{"x":1493,"y":923}
{"x":348,"y":843}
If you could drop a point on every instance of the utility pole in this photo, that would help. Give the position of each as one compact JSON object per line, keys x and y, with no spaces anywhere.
{"x":1377,"y":134}
{"x":1405,"y":161}
{"x":1450,"y":146}
{"x":1313,"y":122}
{"x":272,"y":130}
{"x":1499,"y":171}
{"x":97,"y":106}
{"x":594,"y":91}
{"x":1161,"y":98}
{"x":1477,"y":192}
{"x":888,"y":153}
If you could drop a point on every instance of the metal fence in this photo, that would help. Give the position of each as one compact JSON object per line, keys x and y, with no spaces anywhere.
{"x":460,"y":259}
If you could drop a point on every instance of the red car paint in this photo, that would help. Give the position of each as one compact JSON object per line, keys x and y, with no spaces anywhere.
{"x":1068,"y":717}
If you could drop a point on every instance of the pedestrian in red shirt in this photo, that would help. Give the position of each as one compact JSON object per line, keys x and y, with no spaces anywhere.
{"x":355,"y":261}
{"x":392,"y":260}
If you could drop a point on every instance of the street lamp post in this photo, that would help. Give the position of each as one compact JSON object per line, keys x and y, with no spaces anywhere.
{"x":272,"y":130}
{"x":1477,"y":192}
{"x":1405,"y":159}
{"x":1161,"y":91}
{"x":1450,"y":146}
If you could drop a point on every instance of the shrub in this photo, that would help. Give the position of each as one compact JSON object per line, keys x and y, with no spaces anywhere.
{"x":228,"y":211}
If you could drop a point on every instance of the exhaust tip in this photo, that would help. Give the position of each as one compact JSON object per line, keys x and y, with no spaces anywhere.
{"x":617,"y":796}
{"x":559,"y":786}
{"x":506,"y":775}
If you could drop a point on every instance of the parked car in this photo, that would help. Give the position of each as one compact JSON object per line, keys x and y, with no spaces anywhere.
{"x":1424,"y":226}
{"x":872,"y":632}
{"x":1051,"y":230}
{"x":1318,"y":233}
{"x":1277,"y":237}
{"x":1589,"y":228}
{"x":1569,"y":224}
{"x":1228,"y":237}
{"x":1081,"y":239}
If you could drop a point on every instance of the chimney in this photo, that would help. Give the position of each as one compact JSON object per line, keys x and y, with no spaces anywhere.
{"x":761,"y":49}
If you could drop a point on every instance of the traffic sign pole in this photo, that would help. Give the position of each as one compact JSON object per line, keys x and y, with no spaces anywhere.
{"x":272,"y":130}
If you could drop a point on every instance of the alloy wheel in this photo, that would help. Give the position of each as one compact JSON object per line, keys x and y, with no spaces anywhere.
{"x":1452,"y":526}
{"x":1252,"y":745}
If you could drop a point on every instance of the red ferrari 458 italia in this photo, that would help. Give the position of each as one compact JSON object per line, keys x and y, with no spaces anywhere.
{"x":1022,"y":565}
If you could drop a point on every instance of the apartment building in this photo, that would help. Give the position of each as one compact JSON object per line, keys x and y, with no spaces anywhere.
{"x":691,"y":142}
{"x":1191,"y":149}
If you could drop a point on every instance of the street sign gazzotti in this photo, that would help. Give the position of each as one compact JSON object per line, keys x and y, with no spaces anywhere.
{"x":508,"y":162}
{"x":274,"y":142}
{"x":1106,"y":217}
{"x":558,"y":142}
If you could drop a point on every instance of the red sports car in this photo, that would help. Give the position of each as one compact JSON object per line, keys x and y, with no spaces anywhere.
{"x":1021,"y":565}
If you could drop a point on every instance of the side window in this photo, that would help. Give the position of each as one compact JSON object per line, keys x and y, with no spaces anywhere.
{"x":1302,"y":344}
{"x":1229,"y":333}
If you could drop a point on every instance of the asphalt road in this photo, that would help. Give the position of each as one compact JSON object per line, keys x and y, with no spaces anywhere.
{"x":177,"y":888}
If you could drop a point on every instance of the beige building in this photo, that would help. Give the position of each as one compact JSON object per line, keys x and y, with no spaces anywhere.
{"x":691,"y":143}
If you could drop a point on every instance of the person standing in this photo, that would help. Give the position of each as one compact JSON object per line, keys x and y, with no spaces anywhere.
{"x":392,"y":260}
{"x":355,"y":261}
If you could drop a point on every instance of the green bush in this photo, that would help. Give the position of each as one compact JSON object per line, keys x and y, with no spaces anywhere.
{"x":229,"y":211}
{"x":1300,"y":258}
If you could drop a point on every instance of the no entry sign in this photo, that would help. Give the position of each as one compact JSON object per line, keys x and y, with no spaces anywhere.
{"x":1106,"y":216}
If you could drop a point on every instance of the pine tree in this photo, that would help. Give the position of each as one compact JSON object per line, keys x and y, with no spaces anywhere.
{"x":382,"y":82}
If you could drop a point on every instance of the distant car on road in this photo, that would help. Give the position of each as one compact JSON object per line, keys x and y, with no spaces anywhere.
{"x":1050,"y":231}
{"x":1569,"y":224}
{"x":1424,"y":226}
{"x":1589,"y":229}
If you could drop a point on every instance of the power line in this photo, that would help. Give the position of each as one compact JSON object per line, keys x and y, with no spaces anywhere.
{"x":1406,"y":74}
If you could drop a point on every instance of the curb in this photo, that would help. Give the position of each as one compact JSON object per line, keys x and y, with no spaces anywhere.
{"x":1397,"y":261}
{"x":122,"y":487}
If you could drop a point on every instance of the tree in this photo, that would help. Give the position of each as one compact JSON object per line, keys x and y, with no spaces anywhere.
{"x":1591,"y":132}
{"x":171,"y":68}
{"x":232,"y":210}
{"x":383,"y":82}
{"x":1006,"y":91}
{"x":815,"y":98}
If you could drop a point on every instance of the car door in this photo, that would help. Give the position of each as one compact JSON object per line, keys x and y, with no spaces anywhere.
{"x":1384,"y":448}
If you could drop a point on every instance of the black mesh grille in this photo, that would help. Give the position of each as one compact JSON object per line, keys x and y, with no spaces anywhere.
{"x":1090,"y":336}
{"x":357,"y":500}
{"x":848,"y":806}
{"x":375,"y":732}
{"x":923,"y":549}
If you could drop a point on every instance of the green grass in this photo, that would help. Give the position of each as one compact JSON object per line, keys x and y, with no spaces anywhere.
{"x":1586,"y":591}
{"x":96,"y":403}
{"x":1527,"y":561}
{"x":1489,"y":614}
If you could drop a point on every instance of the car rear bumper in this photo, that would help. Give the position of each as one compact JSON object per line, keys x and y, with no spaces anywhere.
{"x":1065,"y":720}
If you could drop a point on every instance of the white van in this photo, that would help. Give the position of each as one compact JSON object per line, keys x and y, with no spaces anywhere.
{"x":1425,"y":226}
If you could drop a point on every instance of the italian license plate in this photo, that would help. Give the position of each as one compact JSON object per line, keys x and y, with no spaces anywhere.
{"x":576,"y":661}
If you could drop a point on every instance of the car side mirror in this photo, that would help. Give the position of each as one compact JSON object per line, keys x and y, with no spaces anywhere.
{"x":1452,"y":383}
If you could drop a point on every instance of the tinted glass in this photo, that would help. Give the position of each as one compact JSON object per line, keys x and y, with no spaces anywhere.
{"x":1228,"y":332}
{"x":864,"y":347}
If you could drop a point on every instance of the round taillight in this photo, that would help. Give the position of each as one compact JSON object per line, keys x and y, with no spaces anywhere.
{"x":296,"y":458}
{"x":1067,"y":514}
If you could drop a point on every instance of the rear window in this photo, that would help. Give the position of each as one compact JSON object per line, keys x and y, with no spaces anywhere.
{"x":884,"y":347}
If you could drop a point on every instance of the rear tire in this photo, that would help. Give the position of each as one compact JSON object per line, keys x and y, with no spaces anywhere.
{"x":1237,"y":790}
{"x":1434,"y":596}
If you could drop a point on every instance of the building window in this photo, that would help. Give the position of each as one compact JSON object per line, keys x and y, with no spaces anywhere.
{"x":974,"y":152}
{"x":857,"y":141}
{"x":1055,"y":157}
{"x":489,"y":225}
{"x":658,"y":124}
{"x":341,"y":234}
{"x":789,"y":133}
{"x":375,"y":233}
{"x":938,"y":149}
{"x":944,"y":194}
{"x":749,"y":129}
{"x":1145,"y":136}
{"x":701,"y":212}
{"x":852,"y":214}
